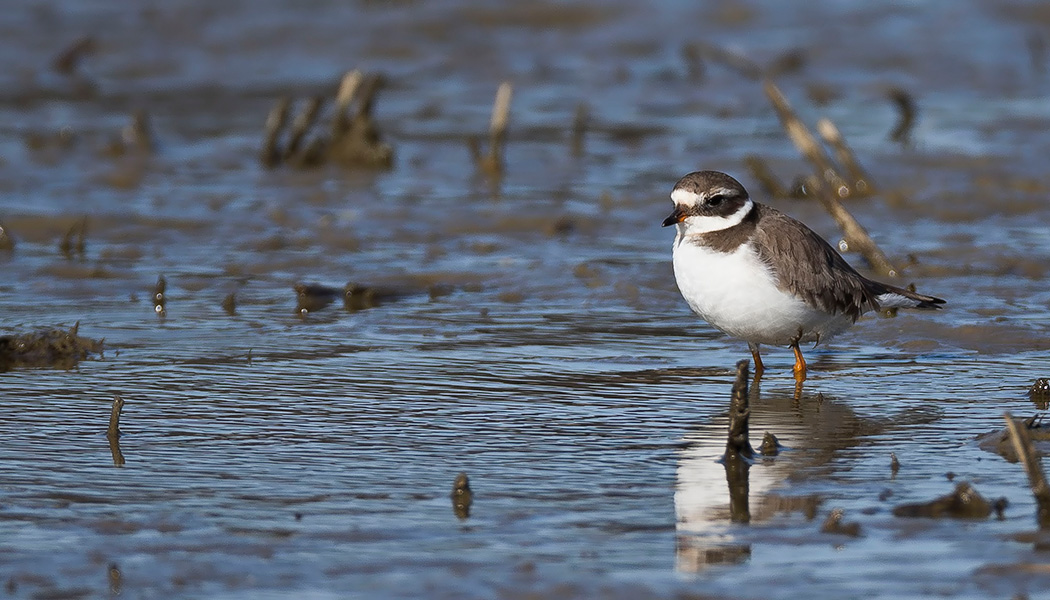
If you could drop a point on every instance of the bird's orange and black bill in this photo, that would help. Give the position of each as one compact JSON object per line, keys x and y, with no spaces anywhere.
{"x":676,"y":217}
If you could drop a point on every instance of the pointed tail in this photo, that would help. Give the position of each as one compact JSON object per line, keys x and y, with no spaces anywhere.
{"x":889,"y":296}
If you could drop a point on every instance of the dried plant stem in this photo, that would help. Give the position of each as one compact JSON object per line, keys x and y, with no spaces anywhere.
{"x":344,"y":97}
{"x":501,"y":111}
{"x":906,"y":120}
{"x":761,"y":171}
{"x":853,"y":232}
{"x":301,"y":125}
{"x":492,"y":163}
{"x":739,"y":454}
{"x":739,"y":414}
{"x":855,"y":235}
{"x":579,"y":128}
{"x":804,"y":140}
{"x":1032,"y":465}
{"x":114,"y":417}
{"x":275,"y":121}
{"x":859,"y":180}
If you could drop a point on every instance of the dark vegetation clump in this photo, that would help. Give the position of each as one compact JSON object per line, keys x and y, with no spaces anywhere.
{"x":54,"y":347}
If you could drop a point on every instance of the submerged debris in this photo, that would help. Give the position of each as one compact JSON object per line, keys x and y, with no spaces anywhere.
{"x":113,"y":432}
{"x":963,"y":503}
{"x":770,"y":445}
{"x":895,"y":465}
{"x":835,"y":524}
{"x":312,"y":297}
{"x":1039,"y":393}
{"x":159,"y":298}
{"x":7,"y":243}
{"x":59,"y":348}
{"x":229,"y":304}
{"x":359,"y":297}
{"x":462,"y":497}
{"x":116,"y":580}
{"x":906,"y":121}
{"x":999,"y":442}
{"x":738,"y":443}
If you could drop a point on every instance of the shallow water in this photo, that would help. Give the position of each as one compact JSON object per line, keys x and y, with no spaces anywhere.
{"x":538,"y":342}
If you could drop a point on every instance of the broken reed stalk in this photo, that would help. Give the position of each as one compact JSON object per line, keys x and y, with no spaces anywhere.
{"x":492,"y":163}
{"x":114,"y":417}
{"x":579,"y":128}
{"x":301,"y":125}
{"x":1032,"y":465}
{"x":501,"y":113}
{"x":761,"y":171}
{"x":804,"y":140}
{"x":906,"y":120}
{"x":739,"y":413}
{"x":855,"y":234}
{"x":368,"y":91}
{"x":859,"y":180}
{"x":344,"y":97}
{"x":355,"y":139}
{"x":67,"y":61}
{"x":72,"y":243}
{"x":271,"y":154}
{"x":739,"y":454}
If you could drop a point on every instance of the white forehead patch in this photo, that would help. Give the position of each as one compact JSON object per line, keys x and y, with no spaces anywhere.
{"x":684,"y":197}
{"x":707,"y":224}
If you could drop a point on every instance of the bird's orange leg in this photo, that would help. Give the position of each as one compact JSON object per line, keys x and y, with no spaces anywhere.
{"x":759,"y":367}
{"x":800,"y":364}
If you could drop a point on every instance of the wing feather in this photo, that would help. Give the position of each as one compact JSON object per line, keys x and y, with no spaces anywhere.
{"x":808,"y":267}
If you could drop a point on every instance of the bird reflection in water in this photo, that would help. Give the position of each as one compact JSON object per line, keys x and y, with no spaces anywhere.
{"x":724,"y":485}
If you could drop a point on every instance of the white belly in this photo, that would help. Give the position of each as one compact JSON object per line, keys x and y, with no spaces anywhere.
{"x":737,"y":294}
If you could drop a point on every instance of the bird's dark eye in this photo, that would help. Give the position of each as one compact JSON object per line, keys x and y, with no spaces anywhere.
{"x":716,"y":200}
